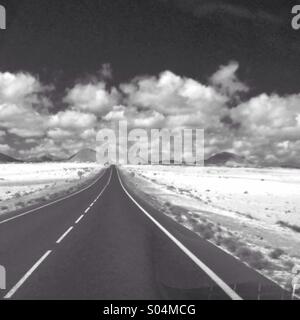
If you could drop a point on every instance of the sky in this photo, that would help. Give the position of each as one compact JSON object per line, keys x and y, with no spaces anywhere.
{"x":69,"y":68}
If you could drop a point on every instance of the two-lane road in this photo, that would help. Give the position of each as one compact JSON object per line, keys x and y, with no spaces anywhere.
{"x":103,"y":243}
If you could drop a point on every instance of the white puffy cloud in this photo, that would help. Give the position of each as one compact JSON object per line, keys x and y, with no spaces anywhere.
{"x":5,"y":148}
{"x":23,"y":108}
{"x":117,"y":113}
{"x":227,"y":81}
{"x":59,"y":134}
{"x":68,"y":132}
{"x":19,"y":87}
{"x":22,"y":120}
{"x":30,"y":140}
{"x":42,"y":147}
{"x":135,"y":118}
{"x":92,"y":97}
{"x":149,"y":119}
{"x":270,"y":115}
{"x":265,"y":129}
{"x":171,"y":94}
{"x":106,"y":71}
{"x":269,"y":128}
{"x":71,"y":119}
{"x":88,"y":134}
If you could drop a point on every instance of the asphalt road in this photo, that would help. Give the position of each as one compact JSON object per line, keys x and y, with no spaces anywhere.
{"x":102,"y":243}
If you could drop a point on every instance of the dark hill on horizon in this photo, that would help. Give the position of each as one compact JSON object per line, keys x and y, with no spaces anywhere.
{"x":7,"y":159}
{"x":46,"y":158}
{"x":84,"y":155}
{"x":227,"y":159}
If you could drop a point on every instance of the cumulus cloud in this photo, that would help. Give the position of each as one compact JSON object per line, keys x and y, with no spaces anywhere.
{"x":88,"y":134}
{"x":4,"y":148}
{"x":59,"y":134}
{"x":149,"y":119}
{"x":92,"y":97}
{"x":42,"y":147}
{"x":270,"y":116}
{"x":116,"y":114}
{"x":203,"y":8}
{"x":269,"y":128}
{"x":68,"y":130}
{"x":136,"y":118}
{"x":265,"y":128}
{"x":19,"y":87}
{"x":171,"y":94}
{"x":227,"y":81}
{"x":26,"y":112}
{"x":71,"y":119}
{"x":23,"y":104}
{"x":106,"y":72}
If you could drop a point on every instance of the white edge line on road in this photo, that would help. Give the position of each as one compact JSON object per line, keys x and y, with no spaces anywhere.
{"x":28,"y":273}
{"x":53,"y":202}
{"x":26,"y":276}
{"x":231,"y":293}
{"x":100,"y":194}
{"x":71,"y":228}
{"x":64,"y":235}
{"x":79,"y":218}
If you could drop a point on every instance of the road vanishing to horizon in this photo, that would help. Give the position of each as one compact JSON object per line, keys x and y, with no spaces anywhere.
{"x":149,"y":158}
{"x":104,"y":243}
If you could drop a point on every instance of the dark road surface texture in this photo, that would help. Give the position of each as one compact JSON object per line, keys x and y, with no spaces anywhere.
{"x":99,"y":244}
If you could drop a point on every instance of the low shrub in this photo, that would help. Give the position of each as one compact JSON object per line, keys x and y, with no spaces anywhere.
{"x":230,"y":244}
{"x":176,"y":210}
{"x":205,"y":230}
{"x":253,"y":257}
{"x":18,"y":195}
{"x":276,"y":253}
{"x":20,"y":204}
{"x":290,"y":226}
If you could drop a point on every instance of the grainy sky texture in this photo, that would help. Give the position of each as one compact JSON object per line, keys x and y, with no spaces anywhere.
{"x":68,"y":68}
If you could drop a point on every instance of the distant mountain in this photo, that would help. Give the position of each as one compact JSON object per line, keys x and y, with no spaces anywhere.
{"x":290,"y":166}
{"x":227,"y":159}
{"x":45,"y":158}
{"x":84,"y":155}
{"x":7,"y":159}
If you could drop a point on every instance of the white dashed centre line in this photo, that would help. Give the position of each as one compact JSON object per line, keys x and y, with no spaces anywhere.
{"x":64,"y":235}
{"x":226,"y":288}
{"x":79,"y":218}
{"x":26,"y":276}
{"x":36,"y":265}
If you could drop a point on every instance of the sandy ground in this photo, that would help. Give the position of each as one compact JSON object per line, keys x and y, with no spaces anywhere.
{"x":23,"y":185}
{"x":254,"y":214}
